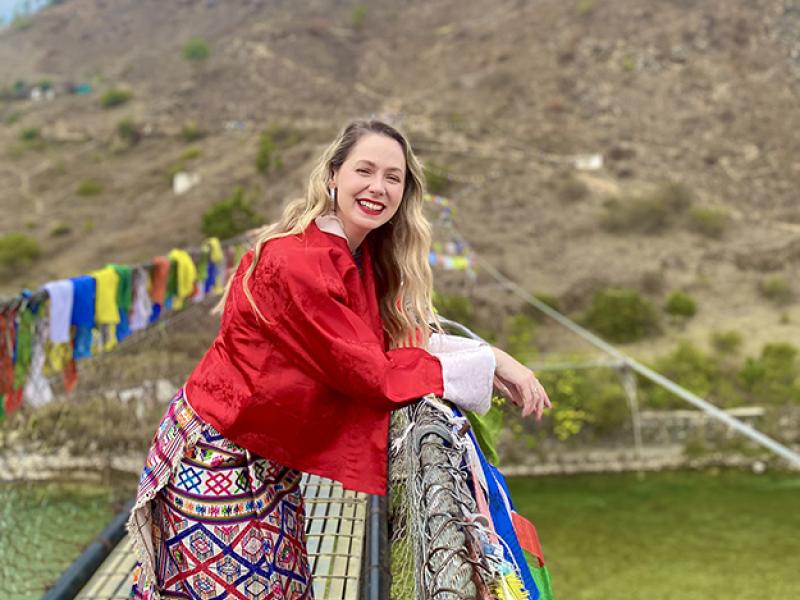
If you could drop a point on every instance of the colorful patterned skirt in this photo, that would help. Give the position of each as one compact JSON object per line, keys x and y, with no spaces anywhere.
{"x":213,"y":521}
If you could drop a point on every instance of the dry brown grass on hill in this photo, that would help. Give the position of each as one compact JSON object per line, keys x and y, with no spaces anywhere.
{"x":702,"y":93}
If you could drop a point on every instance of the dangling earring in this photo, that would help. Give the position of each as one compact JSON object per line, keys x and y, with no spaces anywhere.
{"x":332,"y":194}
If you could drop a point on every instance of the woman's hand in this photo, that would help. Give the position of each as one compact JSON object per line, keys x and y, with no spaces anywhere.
{"x":517,"y":383}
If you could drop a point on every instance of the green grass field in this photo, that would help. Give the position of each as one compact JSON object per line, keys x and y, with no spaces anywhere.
{"x":677,"y":536}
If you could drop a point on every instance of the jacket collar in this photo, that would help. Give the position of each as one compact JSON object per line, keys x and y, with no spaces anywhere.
{"x":330,"y":223}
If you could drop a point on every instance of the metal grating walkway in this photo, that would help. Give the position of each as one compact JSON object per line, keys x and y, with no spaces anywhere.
{"x":335,"y":521}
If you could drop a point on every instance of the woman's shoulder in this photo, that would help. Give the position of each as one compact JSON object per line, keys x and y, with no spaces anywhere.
{"x":311,"y":249}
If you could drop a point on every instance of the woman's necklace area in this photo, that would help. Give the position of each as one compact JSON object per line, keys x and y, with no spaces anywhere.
{"x":357,"y":257}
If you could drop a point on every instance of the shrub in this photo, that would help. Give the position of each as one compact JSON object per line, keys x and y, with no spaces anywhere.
{"x":534,"y":313}
{"x":89,"y":187}
{"x":548,"y":299}
{"x":17,"y":251}
{"x":628,"y":62}
{"x":688,"y":366}
{"x":676,"y":197}
{"x":129,"y":132}
{"x":12,"y":117}
{"x":774,"y":377}
{"x":283,"y":136}
{"x":230,"y":217}
{"x":776,"y":289}
{"x":191,"y":153}
{"x":710,"y":376}
{"x":726,"y":342}
{"x":641,"y":215}
{"x":456,"y":308}
{"x":359,"y":15}
{"x":571,"y":189}
{"x":437,"y":178}
{"x":591,"y":399}
{"x":115,"y":97}
{"x":621,"y":315}
{"x":174,"y":168}
{"x":585,"y":7}
{"x":272,"y":141}
{"x":29,"y":134}
{"x":190,"y":132}
{"x":680,"y":304}
{"x":707,"y":221}
{"x":520,"y":333}
{"x":267,"y":158}
{"x":60,"y":229}
{"x":651,"y":213}
{"x":196,"y":50}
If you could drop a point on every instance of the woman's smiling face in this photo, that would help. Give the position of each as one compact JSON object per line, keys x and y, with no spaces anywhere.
{"x":370,"y":185}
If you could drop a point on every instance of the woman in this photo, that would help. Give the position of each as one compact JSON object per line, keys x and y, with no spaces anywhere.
{"x":324,"y":332}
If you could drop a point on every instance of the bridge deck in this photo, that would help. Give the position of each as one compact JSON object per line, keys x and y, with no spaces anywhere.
{"x":335,"y":521}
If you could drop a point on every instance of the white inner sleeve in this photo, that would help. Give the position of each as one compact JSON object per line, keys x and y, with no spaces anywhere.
{"x":467,"y":370}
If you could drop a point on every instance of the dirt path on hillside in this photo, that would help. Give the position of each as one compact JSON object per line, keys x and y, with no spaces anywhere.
{"x":24,"y":187}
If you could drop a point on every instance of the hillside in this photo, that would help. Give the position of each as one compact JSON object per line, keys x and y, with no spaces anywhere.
{"x":700,"y":93}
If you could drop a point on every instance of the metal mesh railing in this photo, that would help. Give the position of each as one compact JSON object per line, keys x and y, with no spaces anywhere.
{"x":435,"y":547}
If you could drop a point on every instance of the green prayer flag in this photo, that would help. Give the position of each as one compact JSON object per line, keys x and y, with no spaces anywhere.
{"x":486,"y":429}
{"x":541,"y":577}
{"x":24,"y":347}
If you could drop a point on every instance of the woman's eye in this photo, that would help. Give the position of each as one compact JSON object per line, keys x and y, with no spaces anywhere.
{"x":394,"y":179}
{"x":362,"y":171}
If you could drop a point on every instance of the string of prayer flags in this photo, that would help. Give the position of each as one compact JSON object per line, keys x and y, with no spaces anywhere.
{"x":86,"y":315}
{"x":455,"y":254}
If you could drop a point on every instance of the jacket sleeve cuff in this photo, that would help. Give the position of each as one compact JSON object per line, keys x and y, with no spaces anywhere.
{"x":467,"y":371}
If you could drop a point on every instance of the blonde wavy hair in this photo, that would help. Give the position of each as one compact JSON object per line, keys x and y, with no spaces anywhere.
{"x":399,"y":249}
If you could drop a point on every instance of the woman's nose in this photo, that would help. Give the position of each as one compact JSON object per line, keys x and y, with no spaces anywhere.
{"x":376,"y":186}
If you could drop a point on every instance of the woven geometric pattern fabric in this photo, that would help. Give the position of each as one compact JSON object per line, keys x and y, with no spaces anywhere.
{"x":227,"y":524}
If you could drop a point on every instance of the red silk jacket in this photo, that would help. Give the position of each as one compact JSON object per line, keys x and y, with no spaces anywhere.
{"x":313,"y":388}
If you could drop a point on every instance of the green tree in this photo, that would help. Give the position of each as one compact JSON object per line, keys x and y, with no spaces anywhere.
{"x":230,"y":217}
{"x":621,"y":315}
{"x":688,"y":366}
{"x":774,"y":377}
